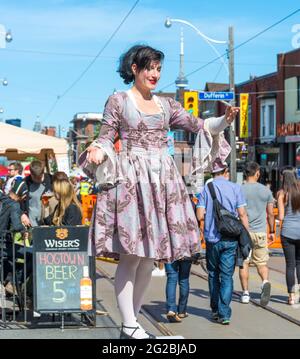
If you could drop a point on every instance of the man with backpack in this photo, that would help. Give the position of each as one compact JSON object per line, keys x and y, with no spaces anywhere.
{"x":221,"y":249}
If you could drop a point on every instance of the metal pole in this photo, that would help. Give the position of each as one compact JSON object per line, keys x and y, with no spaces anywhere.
{"x":231,"y":85}
{"x":3,"y":296}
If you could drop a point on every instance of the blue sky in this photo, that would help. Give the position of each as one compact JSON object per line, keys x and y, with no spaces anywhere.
{"x":54,"y":41}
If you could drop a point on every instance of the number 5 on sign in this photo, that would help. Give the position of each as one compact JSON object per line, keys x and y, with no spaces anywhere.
{"x":61,"y":294}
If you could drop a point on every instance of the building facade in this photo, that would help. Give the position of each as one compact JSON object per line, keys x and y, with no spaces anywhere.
{"x":288,"y":128}
{"x":86,"y":127}
{"x":274,"y":116}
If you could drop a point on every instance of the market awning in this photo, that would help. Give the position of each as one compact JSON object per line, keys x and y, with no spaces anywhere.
{"x":18,"y":143}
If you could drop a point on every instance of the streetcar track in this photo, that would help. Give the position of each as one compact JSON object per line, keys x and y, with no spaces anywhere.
{"x":146,"y":313}
{"x":276,"y":270}
{"x":165,"y":331}
{"x":256,"y":302}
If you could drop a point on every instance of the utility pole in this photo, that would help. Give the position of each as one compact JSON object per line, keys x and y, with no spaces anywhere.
{"x":231,"y":88}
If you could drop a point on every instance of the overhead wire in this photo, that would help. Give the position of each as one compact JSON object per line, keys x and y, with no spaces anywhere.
{"x":71,"y":54}
{"x":59,"y":97}
{"x":236,"y":47}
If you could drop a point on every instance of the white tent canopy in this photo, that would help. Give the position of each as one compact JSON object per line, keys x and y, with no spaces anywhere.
{"x":18,"y":143}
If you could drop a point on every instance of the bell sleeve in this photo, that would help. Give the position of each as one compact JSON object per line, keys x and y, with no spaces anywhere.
{"x":210,"y":142}
{"x":105,"y":174}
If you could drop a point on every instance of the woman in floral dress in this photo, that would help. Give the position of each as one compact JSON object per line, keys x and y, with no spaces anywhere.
{"x":147,"y":215}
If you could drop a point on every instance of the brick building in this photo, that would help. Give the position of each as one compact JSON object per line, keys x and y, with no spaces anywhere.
{"x":49,"y":131}
{"x":274,"y":115}
{"x":85,"y":127}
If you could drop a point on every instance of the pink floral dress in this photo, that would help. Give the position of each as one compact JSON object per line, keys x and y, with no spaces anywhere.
{"x":149,"y":214}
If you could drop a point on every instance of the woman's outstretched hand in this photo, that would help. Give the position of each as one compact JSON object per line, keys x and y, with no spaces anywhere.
{"x":96,"y":155}
{"x":231,"y":113}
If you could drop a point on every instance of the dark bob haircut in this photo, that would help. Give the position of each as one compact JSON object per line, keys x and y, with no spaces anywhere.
{"x":142,"y":56}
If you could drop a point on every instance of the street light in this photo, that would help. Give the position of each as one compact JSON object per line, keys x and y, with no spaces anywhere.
{"x":4,"y":82}
{"x":230,"y":71}
{"x":208,"y":40}
{"x":5,"y":36}
{"x":8,"y":36}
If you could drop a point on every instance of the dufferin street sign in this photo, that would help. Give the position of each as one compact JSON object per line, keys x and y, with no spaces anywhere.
{"x":215,"y":96}
{"x":288,"y":129}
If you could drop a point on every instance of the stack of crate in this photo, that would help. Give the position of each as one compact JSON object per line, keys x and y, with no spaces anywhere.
{"x":88,"y":203}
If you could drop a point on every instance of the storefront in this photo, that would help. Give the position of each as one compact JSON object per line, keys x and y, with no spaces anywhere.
{"x":289,"y":141}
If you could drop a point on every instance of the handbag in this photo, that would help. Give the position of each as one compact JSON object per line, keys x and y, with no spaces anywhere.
{"x":228,"y":224}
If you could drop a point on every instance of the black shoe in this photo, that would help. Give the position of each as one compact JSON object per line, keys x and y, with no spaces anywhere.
{"x":124,"y":335}
{"x":215,"y":316}
{"x":151,"y":336}
{"x":265,"y":294}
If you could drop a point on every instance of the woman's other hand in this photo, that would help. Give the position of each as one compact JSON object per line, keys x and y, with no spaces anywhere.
{"x":231,"y":113}
{"x":96,"y":155}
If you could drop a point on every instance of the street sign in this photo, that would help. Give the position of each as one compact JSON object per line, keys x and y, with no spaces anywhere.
{"x":215,"y":96}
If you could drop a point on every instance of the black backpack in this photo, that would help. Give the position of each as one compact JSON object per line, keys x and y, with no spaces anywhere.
{"x":228,"y":225}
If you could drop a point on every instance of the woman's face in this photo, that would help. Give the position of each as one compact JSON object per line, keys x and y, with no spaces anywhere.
{"x":147,"y":78}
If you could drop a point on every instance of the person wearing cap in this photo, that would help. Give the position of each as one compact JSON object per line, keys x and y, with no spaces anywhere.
{"x":220,"y":251}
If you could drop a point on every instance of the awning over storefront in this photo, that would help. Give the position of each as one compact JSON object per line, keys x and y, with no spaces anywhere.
{"x":288,"y":139}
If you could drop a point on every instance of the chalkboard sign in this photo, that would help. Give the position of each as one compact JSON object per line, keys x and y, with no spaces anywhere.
{"x":59,"y":255}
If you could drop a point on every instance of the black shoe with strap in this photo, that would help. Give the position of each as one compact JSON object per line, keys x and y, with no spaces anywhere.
{"x":124,"y":335}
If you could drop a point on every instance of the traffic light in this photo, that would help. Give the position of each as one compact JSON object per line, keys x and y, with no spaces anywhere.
{"x":190,"y":100}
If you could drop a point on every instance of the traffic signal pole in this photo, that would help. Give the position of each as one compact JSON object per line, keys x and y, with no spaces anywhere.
{"x":231,"y":88}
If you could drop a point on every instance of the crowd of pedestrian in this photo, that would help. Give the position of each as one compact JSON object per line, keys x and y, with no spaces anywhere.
{"x":144,"y":213}
{"x":30,"y":201}
{"x":253,"y":203}
{"x":42,"y":199}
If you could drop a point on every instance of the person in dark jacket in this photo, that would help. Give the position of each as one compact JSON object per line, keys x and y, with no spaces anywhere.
{"x":10,"y":211}
{"x":11,"y":220}
{"x":68,"y":210}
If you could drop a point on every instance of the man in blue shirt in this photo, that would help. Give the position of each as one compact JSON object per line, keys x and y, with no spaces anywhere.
{"x":221,"y":252}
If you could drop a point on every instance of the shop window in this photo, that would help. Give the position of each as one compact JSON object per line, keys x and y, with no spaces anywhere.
{"x":249,"y":120}
{"x":263,"y":121}
{"x":271,"y":120}
{"x":298,"y":155}
{"x":298,"y":92}
{"x":268,"y":119}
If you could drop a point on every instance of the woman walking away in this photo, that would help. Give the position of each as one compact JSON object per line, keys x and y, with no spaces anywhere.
{"x":289,"y":213}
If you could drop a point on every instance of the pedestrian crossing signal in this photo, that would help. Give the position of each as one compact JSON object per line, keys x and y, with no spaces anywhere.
{"x":190,"y":100}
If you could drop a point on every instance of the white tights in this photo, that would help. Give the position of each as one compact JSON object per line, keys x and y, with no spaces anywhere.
{"x":132,"y":278}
